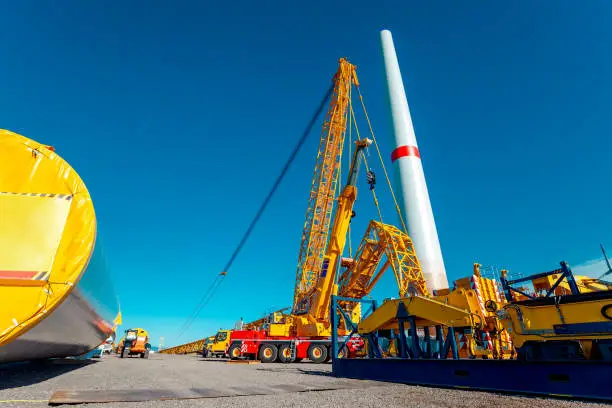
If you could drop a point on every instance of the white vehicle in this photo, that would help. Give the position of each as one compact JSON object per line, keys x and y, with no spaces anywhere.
{"x":104,"y":348}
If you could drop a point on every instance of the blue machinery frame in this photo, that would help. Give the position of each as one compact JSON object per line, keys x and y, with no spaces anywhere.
{"x":572,"y":379}
{"x":565,"y":273}
{"x":337,"y":310}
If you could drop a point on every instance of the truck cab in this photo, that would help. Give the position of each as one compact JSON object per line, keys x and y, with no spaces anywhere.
{"x":216,"y":346}
{"x":207,"y":344}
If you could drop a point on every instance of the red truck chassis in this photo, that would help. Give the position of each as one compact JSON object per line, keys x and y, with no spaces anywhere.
{"x":256,"y":344}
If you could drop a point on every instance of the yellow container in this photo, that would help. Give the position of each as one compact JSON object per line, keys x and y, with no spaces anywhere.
{"x":56,"y":298}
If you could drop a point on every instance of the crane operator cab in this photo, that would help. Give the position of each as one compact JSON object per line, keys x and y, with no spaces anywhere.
{"x":131,"y":335}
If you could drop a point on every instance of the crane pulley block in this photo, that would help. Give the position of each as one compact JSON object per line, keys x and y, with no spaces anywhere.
{"x":371,"y":178}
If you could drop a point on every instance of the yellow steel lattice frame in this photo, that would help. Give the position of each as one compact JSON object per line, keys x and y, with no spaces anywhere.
{"x":193,"y":347}
{"x":359,"y":279}
{"x":323,"y":190}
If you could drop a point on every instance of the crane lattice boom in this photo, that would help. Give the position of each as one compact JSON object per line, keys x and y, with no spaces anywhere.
{"x":380,"y":239}
{"x":324,"y":182}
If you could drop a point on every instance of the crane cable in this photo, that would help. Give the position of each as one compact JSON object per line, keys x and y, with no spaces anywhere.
{"x":205,"y":298}
{"x":221,"y":276}
{"x":399,"y":212}
{"x":365,"y":162}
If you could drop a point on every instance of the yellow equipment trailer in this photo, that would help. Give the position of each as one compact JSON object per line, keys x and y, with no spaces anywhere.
{"x":544,"y":343}
{"x":573,"y":326}
{"x":56,"y":297}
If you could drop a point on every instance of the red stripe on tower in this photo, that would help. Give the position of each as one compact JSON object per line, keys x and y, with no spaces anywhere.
{"x":404,"y":151}
{"x":18,"y":274}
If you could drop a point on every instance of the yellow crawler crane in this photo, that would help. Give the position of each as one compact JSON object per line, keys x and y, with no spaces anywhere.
{"x":325,"y":230}
{"x":306,"y":331}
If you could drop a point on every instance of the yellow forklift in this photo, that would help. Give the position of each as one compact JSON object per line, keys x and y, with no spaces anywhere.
{"x":135,"y":342}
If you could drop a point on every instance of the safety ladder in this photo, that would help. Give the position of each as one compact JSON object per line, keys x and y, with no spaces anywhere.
{"x":292,"y":348}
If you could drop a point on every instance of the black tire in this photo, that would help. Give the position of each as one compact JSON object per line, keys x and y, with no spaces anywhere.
{"x":234,"y":351}
{"x":123,"y":353}
{"x":284,"y":354}
{"x":329,"y":353}
{"x":268,"y":353}
{"x":317,"y":353}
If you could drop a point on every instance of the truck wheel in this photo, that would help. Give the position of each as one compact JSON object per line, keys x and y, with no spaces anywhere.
{"x":284,"y":354}
{"x":317,"y":353}
{"x":268,"y":353}
{"x":234,"y":351}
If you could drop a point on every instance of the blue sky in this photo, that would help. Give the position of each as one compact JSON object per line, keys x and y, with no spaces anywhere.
{"x":179,"y":115}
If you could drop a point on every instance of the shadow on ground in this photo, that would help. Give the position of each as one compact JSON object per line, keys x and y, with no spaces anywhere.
{"x":297,"y":370}
{"x":214,"y":360}
{"x":23,"y":374}
{"x":316,"y":372}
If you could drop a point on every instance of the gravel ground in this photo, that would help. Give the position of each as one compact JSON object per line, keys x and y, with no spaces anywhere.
{"x":31,"y":385}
